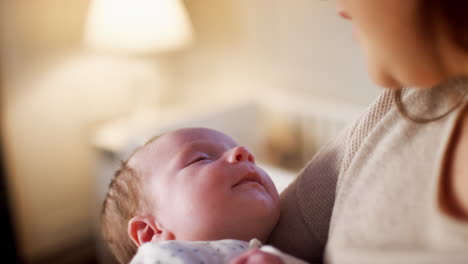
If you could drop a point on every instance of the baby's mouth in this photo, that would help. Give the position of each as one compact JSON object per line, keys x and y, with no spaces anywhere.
{"x":252,"y":177}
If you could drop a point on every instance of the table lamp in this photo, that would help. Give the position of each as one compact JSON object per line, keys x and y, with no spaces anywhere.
{"x":137,"y":29}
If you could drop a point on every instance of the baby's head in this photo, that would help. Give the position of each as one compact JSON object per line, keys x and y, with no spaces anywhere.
{"x":191,"y":184}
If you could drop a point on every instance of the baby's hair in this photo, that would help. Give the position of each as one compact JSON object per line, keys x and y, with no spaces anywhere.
{"x":123,"y":201}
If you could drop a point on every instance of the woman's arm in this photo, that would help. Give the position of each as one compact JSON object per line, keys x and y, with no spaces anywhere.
{"x":307,"y":204}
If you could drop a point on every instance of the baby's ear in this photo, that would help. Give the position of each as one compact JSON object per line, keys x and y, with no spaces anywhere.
{"x":142,"y":229}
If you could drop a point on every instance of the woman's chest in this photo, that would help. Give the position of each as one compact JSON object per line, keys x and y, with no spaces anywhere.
{"x":388,"y":196}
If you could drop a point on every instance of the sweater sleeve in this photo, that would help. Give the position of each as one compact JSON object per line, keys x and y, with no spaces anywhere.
{"x":307,"y":204}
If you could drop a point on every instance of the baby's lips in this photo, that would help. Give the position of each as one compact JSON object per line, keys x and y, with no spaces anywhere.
{"x":251,"y":176}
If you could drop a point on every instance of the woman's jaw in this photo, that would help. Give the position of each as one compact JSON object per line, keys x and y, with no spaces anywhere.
{"x":400,"y":51}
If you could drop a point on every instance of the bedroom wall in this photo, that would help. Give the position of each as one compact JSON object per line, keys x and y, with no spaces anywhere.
{"x":300,"y":47}
{"x":55,"y":93}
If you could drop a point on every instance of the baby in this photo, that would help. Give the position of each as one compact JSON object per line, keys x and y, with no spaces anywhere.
{"x":191,"y":196}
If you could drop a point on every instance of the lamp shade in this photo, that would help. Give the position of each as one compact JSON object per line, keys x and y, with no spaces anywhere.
{"x":137,"y":26}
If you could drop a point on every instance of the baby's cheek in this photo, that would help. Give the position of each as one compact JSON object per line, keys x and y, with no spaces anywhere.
{"x":271,"y":189}
{"x":208,"y":199}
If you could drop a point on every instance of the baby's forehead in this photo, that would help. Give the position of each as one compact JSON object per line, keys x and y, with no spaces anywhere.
{"x":183,"y":137}
{"x":172,"y":143}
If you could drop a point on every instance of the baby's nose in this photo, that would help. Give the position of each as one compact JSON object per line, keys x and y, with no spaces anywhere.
{"x":240,"y":154}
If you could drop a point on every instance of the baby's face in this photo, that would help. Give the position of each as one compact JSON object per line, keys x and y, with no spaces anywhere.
{"x":206,"y":187}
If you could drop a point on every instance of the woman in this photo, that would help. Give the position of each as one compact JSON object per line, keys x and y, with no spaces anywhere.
{"x":393,"y":188}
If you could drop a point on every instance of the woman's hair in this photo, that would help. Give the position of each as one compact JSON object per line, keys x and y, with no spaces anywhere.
{"x":121,"y":203}
{"x":453,"y":13}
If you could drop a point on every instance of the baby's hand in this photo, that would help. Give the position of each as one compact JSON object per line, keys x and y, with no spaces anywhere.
{"x":256,"y":256}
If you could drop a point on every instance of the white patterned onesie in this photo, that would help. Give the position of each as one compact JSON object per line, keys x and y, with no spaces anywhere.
{"x":202,"y":252}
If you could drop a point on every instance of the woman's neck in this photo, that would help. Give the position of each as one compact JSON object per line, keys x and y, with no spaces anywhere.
{"x":453,"y":57}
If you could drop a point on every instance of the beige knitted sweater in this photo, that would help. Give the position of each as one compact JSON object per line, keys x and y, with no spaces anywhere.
{"x":373,"y":194}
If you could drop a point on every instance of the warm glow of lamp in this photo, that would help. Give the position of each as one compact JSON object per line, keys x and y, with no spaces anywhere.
{"x":137,"y":26}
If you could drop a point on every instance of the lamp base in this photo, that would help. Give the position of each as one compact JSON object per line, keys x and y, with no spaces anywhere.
{"x":148,"y":85}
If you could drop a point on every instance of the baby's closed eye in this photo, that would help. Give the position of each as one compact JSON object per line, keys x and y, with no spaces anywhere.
{"x":199,"y":158}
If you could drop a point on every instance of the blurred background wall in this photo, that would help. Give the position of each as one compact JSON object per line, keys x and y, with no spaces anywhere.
{"x":55,"y":92}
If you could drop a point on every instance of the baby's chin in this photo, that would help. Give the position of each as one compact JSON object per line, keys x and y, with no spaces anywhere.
{"x":260,"y":231}
{"x":245,"y":227}
{"x":244,"y":232}
{"x":265,"y":225}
